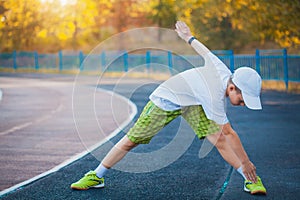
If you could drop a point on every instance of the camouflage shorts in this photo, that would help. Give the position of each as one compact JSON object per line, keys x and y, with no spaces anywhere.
{"x":153,"y":119}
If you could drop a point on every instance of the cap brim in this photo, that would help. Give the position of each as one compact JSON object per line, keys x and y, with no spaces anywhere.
{"x":252,"y":102}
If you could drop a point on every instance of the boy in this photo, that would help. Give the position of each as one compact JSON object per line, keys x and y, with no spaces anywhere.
{"x":199,"y":96}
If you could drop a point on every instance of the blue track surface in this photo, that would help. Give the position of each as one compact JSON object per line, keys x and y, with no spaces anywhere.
{"x":270,"y":137}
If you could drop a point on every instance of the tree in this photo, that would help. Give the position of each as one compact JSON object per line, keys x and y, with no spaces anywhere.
{"x":213,"y":22}
{"x":278,"y":21}
{"x":101,"y":18}
{"x":249,"y":21}
{"x":49,"y":26}
{"x":127,"y":14}
{"x":19,"y":22}
{"x":163,"y":14}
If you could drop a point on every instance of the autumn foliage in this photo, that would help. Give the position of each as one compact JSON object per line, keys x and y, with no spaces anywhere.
{"x":241,"y":25}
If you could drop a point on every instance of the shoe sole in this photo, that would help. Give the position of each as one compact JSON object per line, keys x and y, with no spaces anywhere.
{"x":259,"y":192}
{"x":96,"y":186}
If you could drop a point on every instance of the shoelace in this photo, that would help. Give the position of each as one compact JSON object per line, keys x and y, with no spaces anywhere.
{"x":258,"y":183}
{"x":90,"y":174}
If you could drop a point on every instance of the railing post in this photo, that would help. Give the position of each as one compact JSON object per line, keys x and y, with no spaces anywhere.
{"x":125,"y":57}
{"x":285,"y":67}
{"x":36,"y":60}
{"x":60,"y":60}
{"x":148,"y":60}
{"x":231,"y":58}
{"x":15,"y":60}
{"x":103,"y":60}
{"x":170,"y":61}
{"x":81,"y":58}
{"x":257,"y":61}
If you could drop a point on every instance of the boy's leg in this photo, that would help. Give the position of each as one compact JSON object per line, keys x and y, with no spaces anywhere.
{"x":149,"y":123}
{"x":94,"y":179}
{"x":219,"y":141}
{"x":118,"y":152}
{"x":196,"y":118}
{"x":204,"y":127}
{"x":151,"y":120}
{"x":229,"y":156}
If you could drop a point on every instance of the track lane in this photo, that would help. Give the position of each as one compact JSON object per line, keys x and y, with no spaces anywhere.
{"x":37,"y":129}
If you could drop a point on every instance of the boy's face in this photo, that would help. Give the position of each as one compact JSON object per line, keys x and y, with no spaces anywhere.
{"x":235,"y":97}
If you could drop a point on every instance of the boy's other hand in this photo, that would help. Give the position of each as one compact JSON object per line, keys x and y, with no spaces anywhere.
{"x":249,"y":171}
{"x":183,"y":31}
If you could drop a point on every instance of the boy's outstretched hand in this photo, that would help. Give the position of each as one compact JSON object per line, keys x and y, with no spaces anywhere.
{"x":250,"y":171}
{"x":183,"y":31}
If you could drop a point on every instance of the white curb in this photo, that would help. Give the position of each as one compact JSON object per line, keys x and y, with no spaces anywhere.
{"x":1,"y":94}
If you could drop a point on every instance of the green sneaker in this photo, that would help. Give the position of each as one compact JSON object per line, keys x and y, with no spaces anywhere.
{"x":255,"y":188}
{"x":90,"y":180}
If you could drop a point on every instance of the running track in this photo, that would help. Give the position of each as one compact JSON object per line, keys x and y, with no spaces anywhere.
{"x":270,"y":137}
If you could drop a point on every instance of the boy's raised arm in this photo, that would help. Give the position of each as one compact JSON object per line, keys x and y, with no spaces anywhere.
{"x":184,"y":33}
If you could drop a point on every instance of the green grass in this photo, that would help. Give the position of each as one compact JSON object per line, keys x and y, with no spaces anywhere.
{"x":294,"y":87}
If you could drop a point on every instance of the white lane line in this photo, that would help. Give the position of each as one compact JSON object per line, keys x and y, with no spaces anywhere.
{"x":43,"y":118}
{"x":80,"y":155}
{"x":15,"y":128}
{"x":1,"y":94}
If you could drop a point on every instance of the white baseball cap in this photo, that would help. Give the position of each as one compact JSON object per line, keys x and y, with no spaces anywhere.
{"x":249,"y":82}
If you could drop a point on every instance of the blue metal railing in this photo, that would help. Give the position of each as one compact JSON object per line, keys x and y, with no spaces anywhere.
{"x":270,"y":64}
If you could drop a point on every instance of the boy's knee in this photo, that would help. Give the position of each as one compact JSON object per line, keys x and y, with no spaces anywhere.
{"x":130,"y":145}
{"x":221,"y":141}
{"x":126,"y":144}
{"x":218,"y":140}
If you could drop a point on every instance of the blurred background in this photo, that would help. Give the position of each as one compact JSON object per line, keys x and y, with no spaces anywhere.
{"x":49,"y":26}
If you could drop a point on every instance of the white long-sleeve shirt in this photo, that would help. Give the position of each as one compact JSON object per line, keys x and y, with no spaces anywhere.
{"x":204,"y":86}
